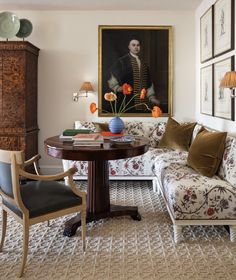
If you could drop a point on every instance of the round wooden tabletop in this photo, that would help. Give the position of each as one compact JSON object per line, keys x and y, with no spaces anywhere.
{"x":58,"y":148}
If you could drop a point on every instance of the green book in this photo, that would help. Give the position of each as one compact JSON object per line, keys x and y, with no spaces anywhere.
{"x":73,"y":132}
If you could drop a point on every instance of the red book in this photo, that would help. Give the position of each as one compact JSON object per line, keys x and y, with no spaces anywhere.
{"x":86,"y":137}
{"x":108,"y":134}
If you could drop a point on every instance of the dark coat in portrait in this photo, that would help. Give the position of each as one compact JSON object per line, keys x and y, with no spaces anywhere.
{"x":127,"y":70}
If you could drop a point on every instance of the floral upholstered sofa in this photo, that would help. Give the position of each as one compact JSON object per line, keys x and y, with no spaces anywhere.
{"x":191,"y":198}
{"x":194,"y":199}
{"x":135,"y":168}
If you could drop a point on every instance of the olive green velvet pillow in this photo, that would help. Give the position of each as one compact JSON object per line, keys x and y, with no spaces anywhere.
{"x":177,"y":136}
{"x":206,"y":152}
{"x":101,"y":127}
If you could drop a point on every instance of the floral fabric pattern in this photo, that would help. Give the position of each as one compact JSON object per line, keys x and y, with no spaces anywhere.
{"x":191,"y":195}
{"x":89,"y":125}
{"x":151,"y":130}
{"x":135,"y":166}
{"x":227,"y":169}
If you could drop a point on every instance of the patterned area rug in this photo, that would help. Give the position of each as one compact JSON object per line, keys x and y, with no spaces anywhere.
{"x":122,"y":248}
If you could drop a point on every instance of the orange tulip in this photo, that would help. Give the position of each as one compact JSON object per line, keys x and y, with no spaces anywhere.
{"x":93,"y":108}
{"x":143,"y":93}
{"x":110,"y":96}
{"x":127,"y":89}
{"x":156,"y":112}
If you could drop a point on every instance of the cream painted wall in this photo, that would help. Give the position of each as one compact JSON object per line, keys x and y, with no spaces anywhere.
{"x":69,"y":55}
{"x":213,"y":122}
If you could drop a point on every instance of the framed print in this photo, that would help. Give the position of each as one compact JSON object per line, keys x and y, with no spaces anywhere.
{"x":223,"y":103}
{"x":135,"y":63}
{"x":223,"y":26}
{"x":207,"y":90}
{"x":206,"y":35}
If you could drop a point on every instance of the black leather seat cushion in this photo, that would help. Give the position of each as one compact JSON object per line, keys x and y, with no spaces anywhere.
{"x":43,"y":197}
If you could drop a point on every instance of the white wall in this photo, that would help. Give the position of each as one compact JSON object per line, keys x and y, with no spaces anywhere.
{"x":213,"y":122}
{"x":69,"y":55}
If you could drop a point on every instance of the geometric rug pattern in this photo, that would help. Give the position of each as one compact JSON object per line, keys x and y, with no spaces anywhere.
{"x":121,"y":248}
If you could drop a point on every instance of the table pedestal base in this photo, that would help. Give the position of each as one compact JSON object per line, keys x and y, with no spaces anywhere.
{"x":98,"y":199}
{"x":115,"y":211}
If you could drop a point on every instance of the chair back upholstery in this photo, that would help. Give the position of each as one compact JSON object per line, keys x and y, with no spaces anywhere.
{"x":5,"y":178}
{"x":6,"y":170}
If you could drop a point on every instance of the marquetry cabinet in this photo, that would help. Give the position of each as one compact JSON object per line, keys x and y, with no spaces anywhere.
{"x":18,"y":97}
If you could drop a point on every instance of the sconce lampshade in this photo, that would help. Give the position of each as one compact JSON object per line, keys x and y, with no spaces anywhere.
{"x":229,"y":80}
{"x":86,"y":87}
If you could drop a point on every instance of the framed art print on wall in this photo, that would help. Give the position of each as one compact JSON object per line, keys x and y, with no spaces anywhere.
{"x":206,"y":90}
{"x":206,"y":35}
{"x":223,"y":103}
{"x":223,"y":26}
{"x":139,"y":56}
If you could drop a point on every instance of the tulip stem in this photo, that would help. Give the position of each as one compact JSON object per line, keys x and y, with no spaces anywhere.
{"x":124,"y":109}
{"x":122,"y":106}
{"x":112,"y":109}
{"x":137,"y":105}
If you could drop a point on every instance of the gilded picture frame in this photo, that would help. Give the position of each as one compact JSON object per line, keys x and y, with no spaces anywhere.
{"x":149,"y":69}
{"x":206,"y":35}
{"x":223,"y":103}
{"x":223,"y":26}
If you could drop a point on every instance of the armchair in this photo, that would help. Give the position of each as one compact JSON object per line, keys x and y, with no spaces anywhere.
{"x":32,"y":202}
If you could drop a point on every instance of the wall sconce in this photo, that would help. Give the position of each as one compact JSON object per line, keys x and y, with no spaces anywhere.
{"x":229,"y":81}
{"x":83,"y":92}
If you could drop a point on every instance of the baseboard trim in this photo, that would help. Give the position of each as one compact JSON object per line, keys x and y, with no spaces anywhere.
{"x":50,"y":169}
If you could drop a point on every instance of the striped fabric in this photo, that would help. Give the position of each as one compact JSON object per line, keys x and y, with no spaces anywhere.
{"x":140,"y":79}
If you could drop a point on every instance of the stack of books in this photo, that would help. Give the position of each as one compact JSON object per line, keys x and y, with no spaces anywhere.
{"x":68,"y":134}
{"x":90,"y":140}
{"x":73,"y":132}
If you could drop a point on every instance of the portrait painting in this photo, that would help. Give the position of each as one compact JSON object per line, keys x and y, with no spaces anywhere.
{"x":135,"y":63}
{"x":206,"y":35}
{"x":223,"y":103}
{"x":207,"y":90}
{"x":223,"y":26}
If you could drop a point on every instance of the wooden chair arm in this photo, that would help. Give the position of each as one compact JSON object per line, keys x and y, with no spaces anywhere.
{"x":58,"y":176}
{"x":32,"y":160}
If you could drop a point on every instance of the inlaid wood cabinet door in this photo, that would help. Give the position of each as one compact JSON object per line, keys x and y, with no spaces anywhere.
{"x":18,"y":96}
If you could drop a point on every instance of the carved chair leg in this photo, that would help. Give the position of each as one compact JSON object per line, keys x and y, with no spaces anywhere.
{"x":25,"y":245}
{"x":4,"y":228}
{"x":48,"y":223}
{"x":83,"y":224}
{"x":178,"y":237}
{"x":232,"y":233}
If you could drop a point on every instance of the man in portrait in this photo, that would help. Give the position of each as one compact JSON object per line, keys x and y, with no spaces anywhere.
{"x":131,"y":69}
